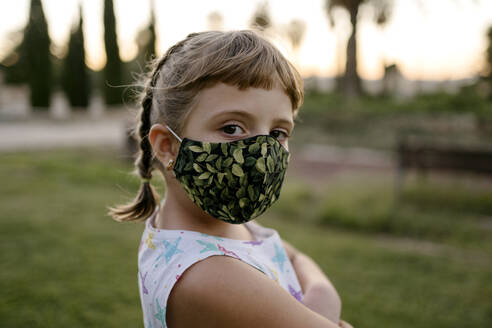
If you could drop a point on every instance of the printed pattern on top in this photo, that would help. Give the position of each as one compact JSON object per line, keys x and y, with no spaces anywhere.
{"x":165,"y":254}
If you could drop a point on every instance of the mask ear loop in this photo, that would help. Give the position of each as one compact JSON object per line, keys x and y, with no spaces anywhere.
{"x":170,"y":164}
{"x":173,"y":133}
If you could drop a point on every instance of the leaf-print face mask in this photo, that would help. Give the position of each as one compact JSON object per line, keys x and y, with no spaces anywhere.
{"x":232,"y":181}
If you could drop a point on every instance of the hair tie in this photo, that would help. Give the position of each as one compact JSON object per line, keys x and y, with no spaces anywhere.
{"x":145,"y":180}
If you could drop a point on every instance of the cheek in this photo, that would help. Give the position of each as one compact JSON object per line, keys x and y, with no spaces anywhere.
{"x":285,"y":143}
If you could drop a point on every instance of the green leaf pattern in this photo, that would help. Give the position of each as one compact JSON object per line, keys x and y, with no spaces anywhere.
{"x":232,"y":181}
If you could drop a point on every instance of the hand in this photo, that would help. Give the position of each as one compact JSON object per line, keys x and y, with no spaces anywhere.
{"x":319,"y":293}
{"x":323,"y":299}
{"x":344,"y":324}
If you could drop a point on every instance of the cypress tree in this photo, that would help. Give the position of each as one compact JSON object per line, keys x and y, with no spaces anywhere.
{"x":113,"y":69}
{"x":14,"y":64}
{"x":36,"y":48}
{"x":75,"y":78}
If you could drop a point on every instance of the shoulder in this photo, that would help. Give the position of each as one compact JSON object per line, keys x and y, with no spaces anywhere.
{"x":221,"y":291}
{"x":289,"y":249}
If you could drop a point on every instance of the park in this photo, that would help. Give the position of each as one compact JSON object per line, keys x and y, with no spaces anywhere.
{"x":389,"y":189}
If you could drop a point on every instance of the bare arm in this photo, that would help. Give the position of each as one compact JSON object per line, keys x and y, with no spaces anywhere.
{"x":221,"y":291}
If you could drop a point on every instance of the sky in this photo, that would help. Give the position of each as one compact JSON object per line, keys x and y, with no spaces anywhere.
{"x":437,"y":39}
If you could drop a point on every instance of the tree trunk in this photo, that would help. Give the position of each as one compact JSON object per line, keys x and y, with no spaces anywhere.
{"x":351,"y":80}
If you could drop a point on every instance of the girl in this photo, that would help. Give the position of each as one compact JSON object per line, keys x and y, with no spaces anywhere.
{"x":215,"y":120}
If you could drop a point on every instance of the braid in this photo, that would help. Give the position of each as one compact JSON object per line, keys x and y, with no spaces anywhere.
{"x":145,"y":202}
{"x":144,"y":161}
{"x":238,"y":58}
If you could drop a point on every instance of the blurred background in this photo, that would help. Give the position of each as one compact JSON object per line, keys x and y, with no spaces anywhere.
{"x":390,"y":184}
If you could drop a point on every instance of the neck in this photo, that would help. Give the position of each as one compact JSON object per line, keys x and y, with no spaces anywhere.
{"x":180,"y":213}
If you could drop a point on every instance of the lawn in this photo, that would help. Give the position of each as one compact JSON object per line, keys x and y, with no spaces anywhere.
{"x":425,"y":263}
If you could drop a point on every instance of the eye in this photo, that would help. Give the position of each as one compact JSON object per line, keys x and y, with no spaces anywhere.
{"x":279,"y":134}
{"x":232,"y":129}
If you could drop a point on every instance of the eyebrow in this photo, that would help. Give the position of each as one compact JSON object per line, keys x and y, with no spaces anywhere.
{"x":251,"y":117}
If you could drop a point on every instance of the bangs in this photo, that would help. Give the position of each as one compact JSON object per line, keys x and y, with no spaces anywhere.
{"x":243,"y":59}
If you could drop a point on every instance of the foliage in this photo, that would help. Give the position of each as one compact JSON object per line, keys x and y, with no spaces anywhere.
{"x":295,"y":31}
{"x":375,"y":121}
{"x":261,"y":19}
{"x":113,"y":70}
{"x":235,"y":181}
{"x":146,"y":41}
{"x":467,"y":100}
{"x":488,"y":58}
{"x":488,"y":55}
{"x":151,"y":44}
{"x":351,"y":82}
{"x":215,"y":20}
{"x":13,"y":64}
{"x":36,"y":51}
{"x":75,"y":78}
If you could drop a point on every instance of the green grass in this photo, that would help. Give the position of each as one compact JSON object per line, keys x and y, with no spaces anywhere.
{"x":65,"y":263}
{"x":447,"y":210}
{"x":385,"y":282}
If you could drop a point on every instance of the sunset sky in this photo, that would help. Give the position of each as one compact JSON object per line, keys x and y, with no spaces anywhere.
{"x":438,"y":39}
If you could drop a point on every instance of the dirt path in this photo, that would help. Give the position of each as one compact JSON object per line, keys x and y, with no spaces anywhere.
{"x":319,"y":161}
{"x":43,"y":133}
{"x":310,"y":161}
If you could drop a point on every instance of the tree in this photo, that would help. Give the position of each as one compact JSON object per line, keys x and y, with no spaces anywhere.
{"x":488,"y":58}
{"x":113,"y":69}
{"x":295,"y":31}
{"x":75,"y":78}
{"x":150,"y":48}
{"x":261,"y":19}
{"x":35,"y":51}
{"x":13,"y":71}
{"x":351,"y":83}
{"x":215,"y":21}
{"x":146,"y":40}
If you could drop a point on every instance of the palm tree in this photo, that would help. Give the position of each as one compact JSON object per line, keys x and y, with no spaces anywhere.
{"x":488,"y":57}
{"x":295,"y":32}
{"x":261,"y":19}
{"x":215,"y":20}
{"x":146,"y":39}
{"x":351,"y":83}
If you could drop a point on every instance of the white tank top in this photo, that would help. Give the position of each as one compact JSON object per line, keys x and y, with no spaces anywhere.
{"x":165,"y":254}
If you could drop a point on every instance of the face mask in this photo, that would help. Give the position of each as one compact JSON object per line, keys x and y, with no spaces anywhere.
{"x":232,"y":181}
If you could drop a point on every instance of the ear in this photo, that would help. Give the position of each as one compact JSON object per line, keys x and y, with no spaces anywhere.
{"x":163,"y":143}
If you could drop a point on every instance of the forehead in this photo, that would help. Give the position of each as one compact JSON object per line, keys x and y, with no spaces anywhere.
{"x":261,"y":103}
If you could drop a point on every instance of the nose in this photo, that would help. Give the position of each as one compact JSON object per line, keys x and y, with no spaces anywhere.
{"x":262,"y":129}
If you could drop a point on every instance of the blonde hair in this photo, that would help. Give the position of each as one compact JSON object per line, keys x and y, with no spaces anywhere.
{"x":239,"y":58}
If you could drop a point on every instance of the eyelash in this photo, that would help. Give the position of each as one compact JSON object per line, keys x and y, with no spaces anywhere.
{"x":286,"y":135}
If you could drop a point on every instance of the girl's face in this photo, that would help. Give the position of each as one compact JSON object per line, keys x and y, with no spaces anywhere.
{"x":224,"y":113}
